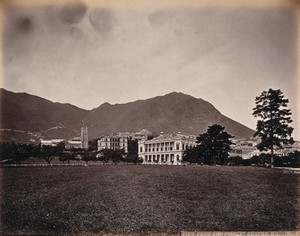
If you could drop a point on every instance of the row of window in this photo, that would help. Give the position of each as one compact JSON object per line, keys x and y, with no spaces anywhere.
{"x":161,"y":158}
{"x":114,"y":139}
{"x":165,"y":144}
{"x":113,"y":144}
{"x":159,"y":149}
{"x":148,"y":148}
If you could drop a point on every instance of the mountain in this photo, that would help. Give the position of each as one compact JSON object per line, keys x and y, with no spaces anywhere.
{"x":24,"y":116}
{"x":30,"y":117}
{"x":174,"y":112}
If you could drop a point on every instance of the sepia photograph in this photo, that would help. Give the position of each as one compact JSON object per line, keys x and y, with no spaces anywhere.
{"x":149,"y":117}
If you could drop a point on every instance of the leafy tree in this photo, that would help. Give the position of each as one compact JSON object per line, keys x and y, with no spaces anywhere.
{"x":235,"y":161}
{"x":214,"y":145}
{"x":66,"y":156}
{"x":132,"y":154}
{"x":86,"y":156}
{"x":117,"y":155}
{"x":93,"y":145}
{"x":6,"y":151}
{"x":105,"y":155}
{"x":48,"y":153}
{"x":274,"y":119}
{"x":12,"y":152}
{"x":191,"y":155}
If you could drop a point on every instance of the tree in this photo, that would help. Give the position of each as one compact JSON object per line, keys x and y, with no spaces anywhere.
{"x":93,"y":145}
{"x":117,"y":155}
{"x":132,"y":154}
{"x":48,"y":153}
{"x":214,"y":145}
{"x":274,"y":119}
{"x":87,"y":156}
{"x":66,"y":156}
{"x":105,"y":155}
{"x":191,"y":155}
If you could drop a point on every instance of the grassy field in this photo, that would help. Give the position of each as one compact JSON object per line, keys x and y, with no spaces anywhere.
{"x":135,"y":199}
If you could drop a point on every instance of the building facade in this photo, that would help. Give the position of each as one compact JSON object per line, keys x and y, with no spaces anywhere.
{"x":114,"y":142}
{"x":244,"y":147}
{"x":74,"y":143}
{"x":166,"y":149}
{"x":288,"y":148}
{"x":51,"y":142}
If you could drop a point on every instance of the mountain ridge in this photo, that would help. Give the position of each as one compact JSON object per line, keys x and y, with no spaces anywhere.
{"x":173,"y":112}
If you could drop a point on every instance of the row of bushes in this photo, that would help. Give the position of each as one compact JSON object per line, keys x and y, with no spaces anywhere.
{"x":17,"y":153}
{"x":290,"y":160}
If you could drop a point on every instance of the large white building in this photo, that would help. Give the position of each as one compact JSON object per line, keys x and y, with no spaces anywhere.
{"x":165,"y":149}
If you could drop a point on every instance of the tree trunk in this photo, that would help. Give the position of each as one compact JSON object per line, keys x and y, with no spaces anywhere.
{"x":272,"y":156}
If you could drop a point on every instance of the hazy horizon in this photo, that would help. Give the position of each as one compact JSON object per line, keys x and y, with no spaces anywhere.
{"x":87,"y":55}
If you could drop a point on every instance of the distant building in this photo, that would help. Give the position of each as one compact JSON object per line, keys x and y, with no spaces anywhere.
{"x":74,"y":143}
{"x":142,"y":135}
{"x":114,"y":141}
{"x":166,"y":149}
{"x":286,"y":149}
{"x":244,"y":147}
{"x":120,"y":140}
{"x":51,"y":142}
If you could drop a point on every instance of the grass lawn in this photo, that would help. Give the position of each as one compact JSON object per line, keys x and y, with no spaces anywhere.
{"x":148,"y":199}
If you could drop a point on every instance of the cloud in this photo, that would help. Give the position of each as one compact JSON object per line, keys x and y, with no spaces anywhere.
{"x":73,"y":13}
{"x":102,"y":20}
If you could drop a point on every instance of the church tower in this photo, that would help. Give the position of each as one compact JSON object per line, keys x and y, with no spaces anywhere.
{"x":84,"y":137}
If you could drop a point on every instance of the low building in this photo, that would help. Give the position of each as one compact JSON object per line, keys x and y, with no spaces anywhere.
{"x":74,"y":143}
{"x":165,"y":149}
{"x":244,"y":147}
{"x":288,"y":148}
{"x":142,"y":135}
{"x":51,"y":142}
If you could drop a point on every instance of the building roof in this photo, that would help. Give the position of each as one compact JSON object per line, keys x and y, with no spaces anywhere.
{"x":176,"y":136}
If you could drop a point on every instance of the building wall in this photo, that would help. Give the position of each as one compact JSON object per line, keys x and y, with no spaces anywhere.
{"x":72,"y":144}
{"x":165,"y":149}
{"x":51,"y":142}
{"x":113,"y":142}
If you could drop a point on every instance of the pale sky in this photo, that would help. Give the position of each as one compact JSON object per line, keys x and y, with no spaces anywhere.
{"x":87,"y":55}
